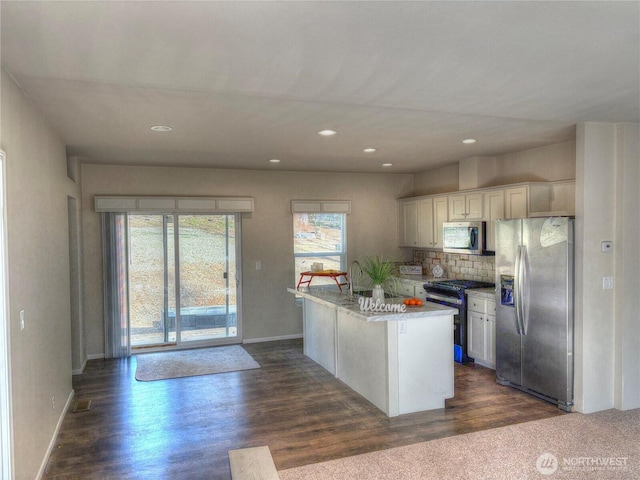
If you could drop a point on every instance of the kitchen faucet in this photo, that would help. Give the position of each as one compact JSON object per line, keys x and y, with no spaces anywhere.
{"x":351,"y":279}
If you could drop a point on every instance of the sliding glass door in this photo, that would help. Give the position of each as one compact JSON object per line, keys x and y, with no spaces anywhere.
{"x":182,"y":280}
{"x":207,"y":277}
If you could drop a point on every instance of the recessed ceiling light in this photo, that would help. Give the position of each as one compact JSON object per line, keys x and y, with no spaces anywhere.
{"x":369,"y":150}
{"x":274,"y":160}
{"x":387,"y":164}
{"x":327,"y":133}
{"x":161,"y":128}
{"x":469,"y":140}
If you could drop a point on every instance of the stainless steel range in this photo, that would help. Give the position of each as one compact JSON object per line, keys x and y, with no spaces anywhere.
{"x":452,"y":294}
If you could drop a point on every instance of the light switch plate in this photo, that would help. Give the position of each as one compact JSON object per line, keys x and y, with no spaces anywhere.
{"x":607,"y":283}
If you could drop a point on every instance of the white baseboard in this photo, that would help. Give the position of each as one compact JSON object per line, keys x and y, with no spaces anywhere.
{"x":95,"y":356}
{"x":80,"y":370}
{"x":272,"y":339}
{"x":54,"y":438}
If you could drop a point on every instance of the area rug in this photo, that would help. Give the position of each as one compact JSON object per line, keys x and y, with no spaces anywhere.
{"x":601,"y":445}
{"x":189,"y":363}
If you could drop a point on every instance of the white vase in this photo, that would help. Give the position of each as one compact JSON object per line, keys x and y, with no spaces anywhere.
{"x":377,"y":294}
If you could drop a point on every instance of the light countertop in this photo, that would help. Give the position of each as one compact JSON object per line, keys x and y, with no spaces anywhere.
{"x":489,"y":293}
{"x":350,"y":305}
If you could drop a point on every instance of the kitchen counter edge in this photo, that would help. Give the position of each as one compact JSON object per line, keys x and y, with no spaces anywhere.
{"x":350,"y":305}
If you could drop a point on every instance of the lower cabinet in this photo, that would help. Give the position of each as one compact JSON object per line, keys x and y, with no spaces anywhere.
{"x":481,"y":327}
{"x":405,"y":288}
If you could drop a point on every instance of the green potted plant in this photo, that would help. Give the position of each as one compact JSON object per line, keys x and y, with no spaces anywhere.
{"x":380,"y":272}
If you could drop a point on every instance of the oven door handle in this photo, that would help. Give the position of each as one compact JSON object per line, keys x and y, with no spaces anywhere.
{"x":443,"y":298}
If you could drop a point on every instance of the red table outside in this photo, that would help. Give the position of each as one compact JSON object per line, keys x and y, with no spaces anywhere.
{"x":307,"y":277}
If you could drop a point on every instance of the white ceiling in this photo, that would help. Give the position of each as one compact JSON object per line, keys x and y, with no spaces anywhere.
{"x":243,"y":82}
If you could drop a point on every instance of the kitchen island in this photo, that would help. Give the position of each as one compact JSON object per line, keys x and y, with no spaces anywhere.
{"x":400,"y":362}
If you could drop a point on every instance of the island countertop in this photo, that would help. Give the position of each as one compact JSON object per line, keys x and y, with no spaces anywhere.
{"x":350,"y":305}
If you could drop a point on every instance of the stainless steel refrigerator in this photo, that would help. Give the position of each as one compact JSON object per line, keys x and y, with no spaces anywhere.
{"x":534,"y":307}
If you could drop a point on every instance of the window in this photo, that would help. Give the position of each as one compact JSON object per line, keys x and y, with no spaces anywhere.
{"x":319,"y":238}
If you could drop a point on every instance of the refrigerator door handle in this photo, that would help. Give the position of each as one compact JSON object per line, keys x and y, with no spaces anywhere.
{"x":517,"y":284}
{"x":524,"y":289}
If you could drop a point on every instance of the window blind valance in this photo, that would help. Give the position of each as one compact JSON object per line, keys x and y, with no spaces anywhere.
{"x":321,"y":206}
{"x":147,"y":204}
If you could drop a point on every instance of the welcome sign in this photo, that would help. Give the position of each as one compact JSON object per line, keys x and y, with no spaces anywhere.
{"x":368,"y":305}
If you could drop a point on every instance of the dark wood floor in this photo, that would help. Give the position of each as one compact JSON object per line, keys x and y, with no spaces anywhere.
{"x":183,"y":428}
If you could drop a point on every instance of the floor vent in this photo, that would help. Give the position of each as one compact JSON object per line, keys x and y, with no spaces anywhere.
{"x":82,"y":406}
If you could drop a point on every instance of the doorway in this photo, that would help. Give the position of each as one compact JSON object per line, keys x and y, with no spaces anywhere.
{"x":183,"y":280}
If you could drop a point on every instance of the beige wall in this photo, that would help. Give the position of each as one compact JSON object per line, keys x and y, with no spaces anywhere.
{"x":627,"y":260}
{"x":550,"y":163}
{"x":37,"y":191}
{"x":606,"y":335}
{"x":268,"y":310}
{"x":440,"y":180}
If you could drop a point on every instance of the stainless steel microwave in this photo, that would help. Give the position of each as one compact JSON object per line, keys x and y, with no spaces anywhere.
{"x":464,"y":237}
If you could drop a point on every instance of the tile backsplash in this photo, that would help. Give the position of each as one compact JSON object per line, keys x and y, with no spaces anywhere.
{"x":457,"y":265}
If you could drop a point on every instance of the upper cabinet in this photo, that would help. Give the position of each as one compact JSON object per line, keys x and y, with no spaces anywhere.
{"x":408,"y":224}
{"x":555,"y":199}
{"x":421,"y":218}
{"x":432,"y":213}
{"x":465,"y":207}
{"x":493,"y":210}
{"x":516,"y":201}
{"x":421,"y":222}
{"x":540,"y":200}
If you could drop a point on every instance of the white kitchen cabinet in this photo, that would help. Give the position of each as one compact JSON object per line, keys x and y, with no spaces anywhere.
{"x":420,"y":292}
{"x":481,"y":326}
{"x":421,"y":218}
{"x":420,"y":221}
{"x":408,"y":224}
{"x":405,"y":288}
{"x":432,"y":213}
{"x":552,"y":199}
{"x":563,"y":198}
{"x":493,"y":210}
{"x":410,"y":288}
{"x":465,"y":207}
{"x":490,"y":336}
{"x":475,"y":335}
{"x":516,"y":202}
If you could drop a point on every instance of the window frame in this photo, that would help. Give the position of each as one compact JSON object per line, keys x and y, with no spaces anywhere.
{"x":332,"y":207}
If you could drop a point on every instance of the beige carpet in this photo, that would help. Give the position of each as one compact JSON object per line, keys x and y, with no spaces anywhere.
{"x":604,"y":445}
{"x":188,"y":363}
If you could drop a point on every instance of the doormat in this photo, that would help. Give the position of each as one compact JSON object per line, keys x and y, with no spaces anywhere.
{"x":189,"y":363}
{"x":82,"y":406}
